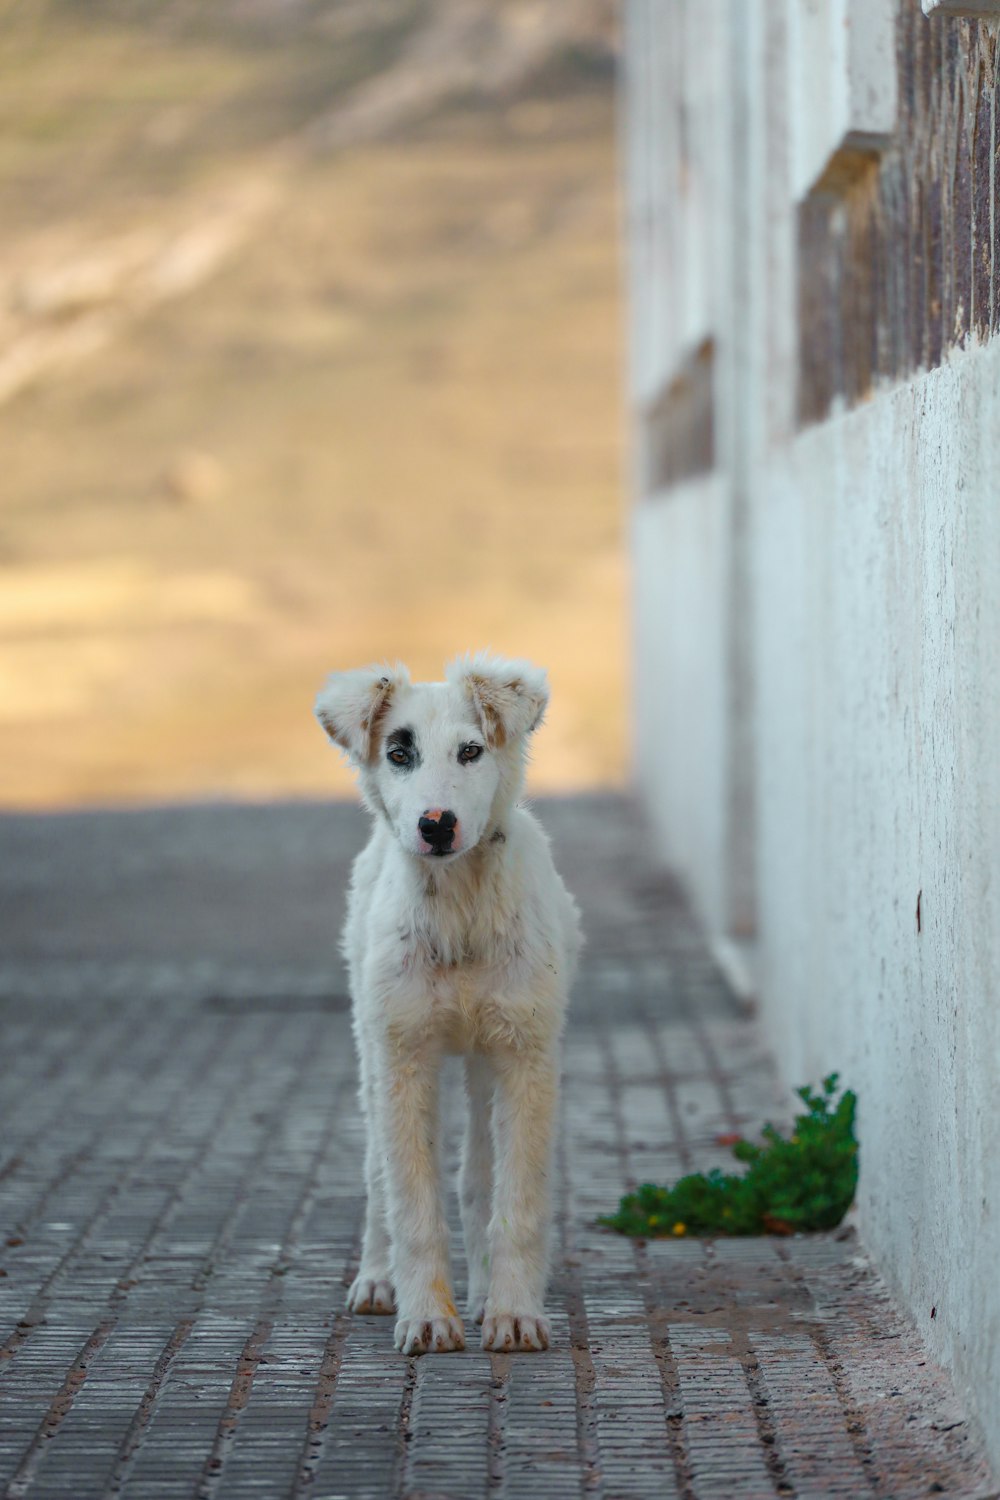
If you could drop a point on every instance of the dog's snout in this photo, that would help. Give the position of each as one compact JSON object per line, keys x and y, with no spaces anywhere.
{"x":437,"y":827}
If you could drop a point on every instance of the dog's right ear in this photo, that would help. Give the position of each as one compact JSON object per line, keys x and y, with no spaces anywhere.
{"x":351,"y":705}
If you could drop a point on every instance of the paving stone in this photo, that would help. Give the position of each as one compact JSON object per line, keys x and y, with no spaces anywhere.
{"x":637,"y":1460}
{"x":449,"y":1449}
{"x":722,"y":1434}
{"x":818,"y":1455}
{"x":180,"y":1203}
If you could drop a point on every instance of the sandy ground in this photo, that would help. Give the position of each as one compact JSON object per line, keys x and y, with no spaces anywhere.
{"x":383,"y":421}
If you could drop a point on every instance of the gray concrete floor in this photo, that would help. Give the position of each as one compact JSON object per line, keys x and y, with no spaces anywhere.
{"x":180,"y":1198}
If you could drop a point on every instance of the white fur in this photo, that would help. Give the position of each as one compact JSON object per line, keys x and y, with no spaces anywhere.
{"x":472,"y":951}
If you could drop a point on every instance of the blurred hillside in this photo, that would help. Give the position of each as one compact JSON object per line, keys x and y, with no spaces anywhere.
{"x":308,"y":356}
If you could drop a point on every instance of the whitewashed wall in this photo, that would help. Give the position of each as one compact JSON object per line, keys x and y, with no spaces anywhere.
{"x":679,"y":168}
{"x":680,"y":673}
{"x":824,"y":608}
{"x":877,"y":549}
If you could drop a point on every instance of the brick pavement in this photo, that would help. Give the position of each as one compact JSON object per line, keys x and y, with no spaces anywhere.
{"x":180,"y":1197}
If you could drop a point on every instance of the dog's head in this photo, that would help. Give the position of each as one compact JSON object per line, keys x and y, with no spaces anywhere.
{"x":442,"y":762}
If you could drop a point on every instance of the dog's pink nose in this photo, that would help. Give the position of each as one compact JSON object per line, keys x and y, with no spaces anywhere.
{"x":437,"y":828}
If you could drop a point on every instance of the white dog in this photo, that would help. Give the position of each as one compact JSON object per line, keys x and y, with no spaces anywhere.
{"x":460,"y":937}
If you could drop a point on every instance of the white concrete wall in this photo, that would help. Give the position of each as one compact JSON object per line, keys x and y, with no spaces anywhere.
{"x":680,"y":681}
{"x":825,"y":608}
{"x":877,"y":544}
{"x":679,"y":167}
{"x":672,"y":256}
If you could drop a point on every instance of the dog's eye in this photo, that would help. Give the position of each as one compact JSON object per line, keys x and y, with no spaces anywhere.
{"x":469,"y":753}
{"x":399,"y":757}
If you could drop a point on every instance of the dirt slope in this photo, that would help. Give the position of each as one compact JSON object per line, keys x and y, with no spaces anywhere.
{"x":283,"y":395}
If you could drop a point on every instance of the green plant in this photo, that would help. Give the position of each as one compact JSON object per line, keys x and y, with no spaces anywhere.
{"x":805,"y":1181}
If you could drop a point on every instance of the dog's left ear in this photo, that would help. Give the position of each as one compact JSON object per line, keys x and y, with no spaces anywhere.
{"x":351,"y":705}
{"x":509,"y":697}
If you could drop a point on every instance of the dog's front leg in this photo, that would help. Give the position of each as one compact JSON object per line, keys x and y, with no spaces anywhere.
{"x":523,"y":1119}
{"x":371,"y":1291}
{"x":428,"y":1319}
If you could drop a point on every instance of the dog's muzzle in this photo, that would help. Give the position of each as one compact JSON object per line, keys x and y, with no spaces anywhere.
{"x":437,"y":829}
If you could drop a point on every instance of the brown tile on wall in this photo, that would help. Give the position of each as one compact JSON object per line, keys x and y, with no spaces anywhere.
{"x":916,"y":260}
{"x":859,"y":300}
{"x":926,"y":62}
{"x":982,"y":187}
{"x":893,"y":212}
{"x":961,"y":221}
{"x":935,"y":274}
{"x":678,"y":426}
{"x":996,"y":209}
{"x":817,"y":385}
{"x":880,"y":353}
{"x":899,"y":254}
{"x":894,"y":219}
{"x":912,"y":48}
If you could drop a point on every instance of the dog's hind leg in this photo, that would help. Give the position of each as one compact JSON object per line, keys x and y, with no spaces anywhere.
{"x":371,"y":1291}
{"x":476,"y":1180}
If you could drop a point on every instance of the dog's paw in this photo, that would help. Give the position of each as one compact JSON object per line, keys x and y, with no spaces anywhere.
{"x":429,"y":1335}
{"x":368,"y":1295}
{"x":508,"y":1333}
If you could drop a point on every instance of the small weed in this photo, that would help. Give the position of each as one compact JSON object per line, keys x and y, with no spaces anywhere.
{"x":792,"y":1184}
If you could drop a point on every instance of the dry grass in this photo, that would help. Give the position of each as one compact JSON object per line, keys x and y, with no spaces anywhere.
{"x":388,"y":427}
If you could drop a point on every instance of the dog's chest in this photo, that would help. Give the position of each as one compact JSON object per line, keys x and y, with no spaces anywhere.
{"x":476,"y":1008}
{"x":469,"y":923}
{"x":464,"y":983}
{"x":455,"y":946}
{"x":464,"y":962}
